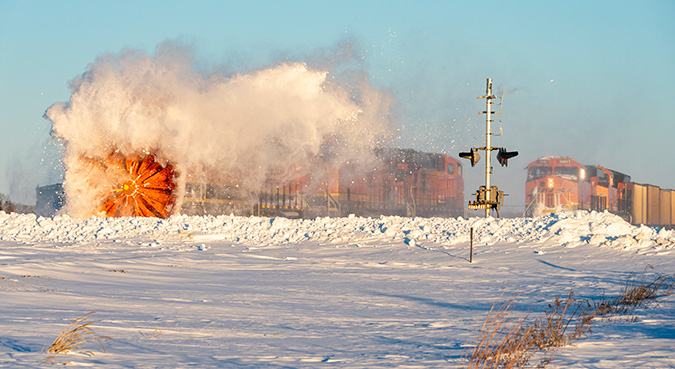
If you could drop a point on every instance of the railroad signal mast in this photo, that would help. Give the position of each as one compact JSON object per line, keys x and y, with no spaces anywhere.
{"x":488,"y":197}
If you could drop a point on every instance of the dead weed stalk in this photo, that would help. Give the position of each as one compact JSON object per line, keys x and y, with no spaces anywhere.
{"x":507,"y":340}
{"x":635,"y":294}
{"x":77,"y":333}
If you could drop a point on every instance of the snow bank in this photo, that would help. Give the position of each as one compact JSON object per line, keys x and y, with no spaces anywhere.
{"x":349,"y":292}
{"x":564,"y":229}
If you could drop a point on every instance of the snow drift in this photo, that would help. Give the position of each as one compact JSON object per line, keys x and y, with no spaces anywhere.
{"x":344,"y":292}
{"x":565,"y":229}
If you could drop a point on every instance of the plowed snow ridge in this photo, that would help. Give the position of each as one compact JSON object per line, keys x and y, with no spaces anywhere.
{"x":568,"y":229}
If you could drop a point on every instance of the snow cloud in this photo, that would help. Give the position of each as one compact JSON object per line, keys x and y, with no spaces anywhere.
{"x":233,"y":126}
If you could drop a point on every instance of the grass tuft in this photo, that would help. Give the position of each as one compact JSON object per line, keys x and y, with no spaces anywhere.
{"x":77,"y":333}
{"x":499,"y":341}
{"x":635,"y":294}
{"x":507,"y":340}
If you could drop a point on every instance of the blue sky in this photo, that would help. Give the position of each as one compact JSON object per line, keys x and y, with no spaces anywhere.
{"x":592,"y":80}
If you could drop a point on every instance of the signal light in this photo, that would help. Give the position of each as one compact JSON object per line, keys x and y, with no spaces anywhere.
{"x":471,"y":155}
{"x":503,"y":156}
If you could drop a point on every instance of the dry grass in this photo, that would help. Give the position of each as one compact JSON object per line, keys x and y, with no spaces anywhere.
{"x":553,"y":326}
{"x":498,"y":343}
{"x":509,"y":340}
{"x":75,"y":335}
{"x":635,"y":294}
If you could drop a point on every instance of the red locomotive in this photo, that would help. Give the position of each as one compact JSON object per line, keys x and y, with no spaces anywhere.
{"x":400,"y":182}
{"x":558,"y":184}
{"x":555,"y":184}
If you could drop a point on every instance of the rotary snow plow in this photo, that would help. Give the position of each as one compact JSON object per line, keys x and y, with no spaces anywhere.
{"x":139,"y":186}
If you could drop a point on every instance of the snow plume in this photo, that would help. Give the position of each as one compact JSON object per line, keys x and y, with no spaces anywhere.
{"x":241,"y":126}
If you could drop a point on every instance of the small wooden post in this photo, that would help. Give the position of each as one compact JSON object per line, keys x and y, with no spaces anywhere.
{"x":471,"y":249}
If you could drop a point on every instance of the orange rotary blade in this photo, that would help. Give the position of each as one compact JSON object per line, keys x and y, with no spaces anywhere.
{"x":142,"y":188}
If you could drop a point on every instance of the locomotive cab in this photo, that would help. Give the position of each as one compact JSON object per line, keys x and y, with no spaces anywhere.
{"x":556,"y":184}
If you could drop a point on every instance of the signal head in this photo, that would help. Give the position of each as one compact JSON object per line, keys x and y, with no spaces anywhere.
{"x":503,"y":156}
{"x":471,"y":155}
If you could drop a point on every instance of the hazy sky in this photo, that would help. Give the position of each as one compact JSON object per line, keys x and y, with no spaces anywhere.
{"x":594,"y":80}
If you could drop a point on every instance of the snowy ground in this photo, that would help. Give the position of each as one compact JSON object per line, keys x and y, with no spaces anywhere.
{"x":344,"y":293}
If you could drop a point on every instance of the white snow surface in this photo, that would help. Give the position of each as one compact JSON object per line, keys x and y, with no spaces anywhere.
{"x":250,"y":292}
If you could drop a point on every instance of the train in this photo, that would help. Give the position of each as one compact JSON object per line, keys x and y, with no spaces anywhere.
{"x":401,"y":182}
{"x":560,"y":183}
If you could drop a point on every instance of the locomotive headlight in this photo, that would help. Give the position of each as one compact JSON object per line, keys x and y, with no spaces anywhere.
{"x":583,"y":174}
{"x":550,"y":183}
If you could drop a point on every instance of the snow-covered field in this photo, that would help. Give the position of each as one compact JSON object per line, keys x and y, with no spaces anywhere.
{"x":339,"y":292}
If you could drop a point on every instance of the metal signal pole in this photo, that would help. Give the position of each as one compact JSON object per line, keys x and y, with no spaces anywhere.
{"x":488,"y":138}
{"x":488,"y":197}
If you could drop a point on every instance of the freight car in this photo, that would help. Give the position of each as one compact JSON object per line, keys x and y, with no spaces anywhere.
{"x":399,"y":182}
{"x":651,"y":205}
{"x":560,"y":183}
